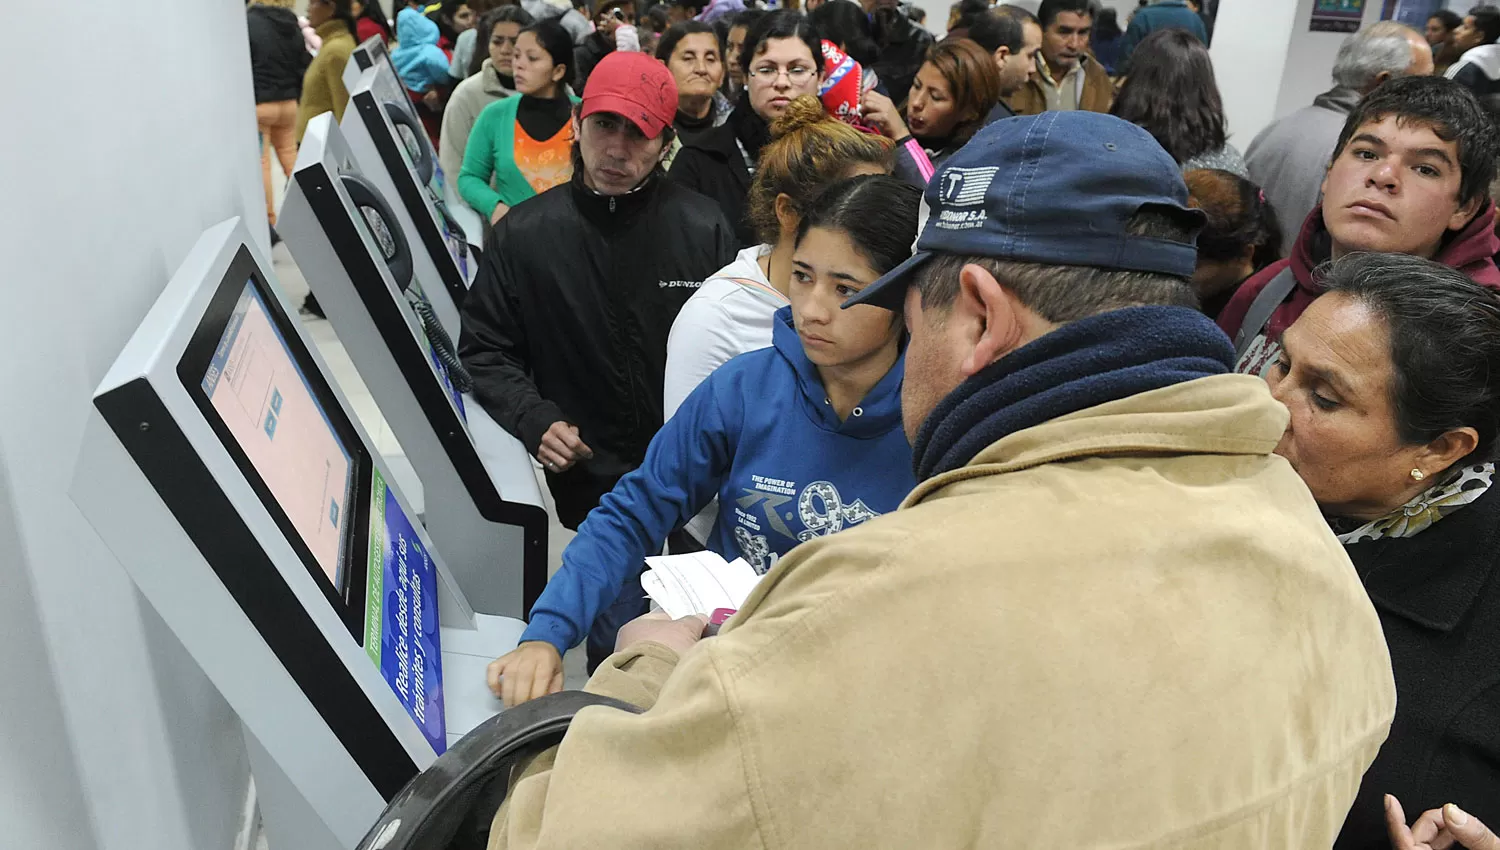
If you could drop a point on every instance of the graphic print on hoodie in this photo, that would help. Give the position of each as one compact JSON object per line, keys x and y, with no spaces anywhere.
{"x":1470,"y":251}
{"x":760,"y":434}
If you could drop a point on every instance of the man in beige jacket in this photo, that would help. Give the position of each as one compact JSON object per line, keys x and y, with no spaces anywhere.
{"x":1108,"y":616}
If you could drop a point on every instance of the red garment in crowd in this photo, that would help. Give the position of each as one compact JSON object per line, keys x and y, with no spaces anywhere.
{"x":1470,"y":250}
{"x":366,"y":29}
{"x":842,"y":86}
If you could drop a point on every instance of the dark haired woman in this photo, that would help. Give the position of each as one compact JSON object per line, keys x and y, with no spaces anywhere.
{"x":523,"y":146}
{"x":782,"y":59}
{"x":734,"y":43}
{"x":1171,"y":92}
{"x":820,"y":408}
{"x":323,"y":84}
{"x":734,"y":311}
{"x":1392,"y":378}
{"x":453,"y":18}
{"x":952,"y":93}
{"x":493,"y":79}
{"x":1242,"y":235}
{"x":370,"y":21}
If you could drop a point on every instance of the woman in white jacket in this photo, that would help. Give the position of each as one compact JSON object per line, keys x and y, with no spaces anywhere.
{"x":732,"y":312}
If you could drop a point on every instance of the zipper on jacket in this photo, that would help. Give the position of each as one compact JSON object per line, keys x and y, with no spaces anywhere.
{"x":611,"y":203}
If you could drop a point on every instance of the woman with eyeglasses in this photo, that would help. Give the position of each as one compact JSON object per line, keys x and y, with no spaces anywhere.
{"x":782,"y":59}
{"x":492,"y":79}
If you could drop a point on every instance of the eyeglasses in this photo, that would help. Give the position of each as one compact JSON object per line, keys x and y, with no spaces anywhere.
{"x":796,"y":75}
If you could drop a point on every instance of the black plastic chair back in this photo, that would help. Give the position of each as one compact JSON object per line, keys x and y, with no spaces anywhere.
{"x":450,"y":805}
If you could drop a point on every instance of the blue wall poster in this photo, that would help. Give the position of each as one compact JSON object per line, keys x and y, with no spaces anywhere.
{"x":401,"y":616}
{"x":1336,"y":15}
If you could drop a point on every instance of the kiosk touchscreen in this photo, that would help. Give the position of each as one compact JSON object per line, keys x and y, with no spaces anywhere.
{"x":374,"y":129}
{"x":227,"y":474}
{"x":482,"y":505}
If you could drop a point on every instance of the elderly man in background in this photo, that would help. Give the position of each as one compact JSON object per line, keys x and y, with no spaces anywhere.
{"x":1288,"y":158}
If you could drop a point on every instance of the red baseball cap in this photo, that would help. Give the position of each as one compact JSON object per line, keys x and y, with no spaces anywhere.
{"x":634,"y":86}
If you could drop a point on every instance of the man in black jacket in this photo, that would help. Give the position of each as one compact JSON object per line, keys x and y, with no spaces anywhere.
{"x":903,"y":46}
{"x":565,"y":329}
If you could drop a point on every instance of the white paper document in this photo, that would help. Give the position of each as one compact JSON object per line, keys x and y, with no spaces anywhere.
{"x":697,"y":583}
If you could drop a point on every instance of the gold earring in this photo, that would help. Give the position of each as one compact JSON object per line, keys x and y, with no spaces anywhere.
{"x":1418,"y":475}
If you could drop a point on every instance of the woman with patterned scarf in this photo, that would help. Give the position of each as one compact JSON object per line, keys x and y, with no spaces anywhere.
{"x":1393,"y":383}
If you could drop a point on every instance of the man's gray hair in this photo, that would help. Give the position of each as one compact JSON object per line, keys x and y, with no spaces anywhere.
{"x":1382,"y":48}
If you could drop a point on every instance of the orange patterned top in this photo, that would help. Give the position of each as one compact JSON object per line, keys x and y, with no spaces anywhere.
{"x":547,"y":163}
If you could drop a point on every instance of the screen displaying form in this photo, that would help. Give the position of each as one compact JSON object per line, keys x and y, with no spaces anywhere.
{"x":266,"y":404}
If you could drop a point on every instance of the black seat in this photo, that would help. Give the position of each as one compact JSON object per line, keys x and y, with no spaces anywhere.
{"x":449,"y":806}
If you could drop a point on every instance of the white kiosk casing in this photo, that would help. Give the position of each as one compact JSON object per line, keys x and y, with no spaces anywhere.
{"x":280,"y":617}
{"x":482,"y":505}
{"x":374,"y":128}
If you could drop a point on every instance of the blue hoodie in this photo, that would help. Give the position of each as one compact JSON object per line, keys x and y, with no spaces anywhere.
{"x":418,"y":59}
{"x":758,"y":433}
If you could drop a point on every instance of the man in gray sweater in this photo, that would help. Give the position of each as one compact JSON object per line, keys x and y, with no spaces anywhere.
{"x":1289,"y":157}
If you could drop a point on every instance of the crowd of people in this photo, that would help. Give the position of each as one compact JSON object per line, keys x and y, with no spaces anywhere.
{"x":1109,"y":484}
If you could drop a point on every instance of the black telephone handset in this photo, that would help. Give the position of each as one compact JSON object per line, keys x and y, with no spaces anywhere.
{"x":411,"y":133}
{"x":396,"y":252}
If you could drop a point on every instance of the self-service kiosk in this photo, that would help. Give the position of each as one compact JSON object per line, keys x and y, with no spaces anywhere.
{"x":226,"y":472}
{"x":379,"y":132}
{"x":481,"y":497}
{"x":373,"y":53}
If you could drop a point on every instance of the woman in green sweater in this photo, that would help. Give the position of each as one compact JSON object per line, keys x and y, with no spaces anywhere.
{"x":522,"y":146}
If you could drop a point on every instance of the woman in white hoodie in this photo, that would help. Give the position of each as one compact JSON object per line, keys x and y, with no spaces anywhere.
{"x":732,"y":312}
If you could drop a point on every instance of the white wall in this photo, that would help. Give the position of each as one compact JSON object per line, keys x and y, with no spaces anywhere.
{"x":118,"y":156}
{"x":1268,"y":63}
{"x":1309,"y":61}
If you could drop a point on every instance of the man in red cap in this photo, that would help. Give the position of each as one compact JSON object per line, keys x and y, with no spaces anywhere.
{"x":565,"y":329}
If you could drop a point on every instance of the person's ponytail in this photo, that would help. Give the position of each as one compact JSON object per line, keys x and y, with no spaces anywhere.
{"x":809,"y":150}
{"x":804,"y":111}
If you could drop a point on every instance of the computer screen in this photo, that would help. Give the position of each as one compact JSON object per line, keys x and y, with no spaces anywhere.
{"x":265,"y":402}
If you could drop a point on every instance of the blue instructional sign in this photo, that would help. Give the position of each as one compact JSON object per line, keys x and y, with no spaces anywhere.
{"x":401,"y":615}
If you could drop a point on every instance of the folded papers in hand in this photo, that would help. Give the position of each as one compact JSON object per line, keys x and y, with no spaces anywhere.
{"x":697,"y":583}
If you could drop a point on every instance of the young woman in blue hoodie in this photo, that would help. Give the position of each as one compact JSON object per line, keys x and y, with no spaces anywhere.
{"x":798,"y":441}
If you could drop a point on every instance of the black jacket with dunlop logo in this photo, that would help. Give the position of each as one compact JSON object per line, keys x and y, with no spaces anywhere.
{"x":569,"y":314}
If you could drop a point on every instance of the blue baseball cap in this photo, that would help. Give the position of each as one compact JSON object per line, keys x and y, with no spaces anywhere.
{"x":1057,"y":188}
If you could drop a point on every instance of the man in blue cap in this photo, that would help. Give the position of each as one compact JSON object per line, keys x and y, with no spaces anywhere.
{"x":1108,"y":616}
